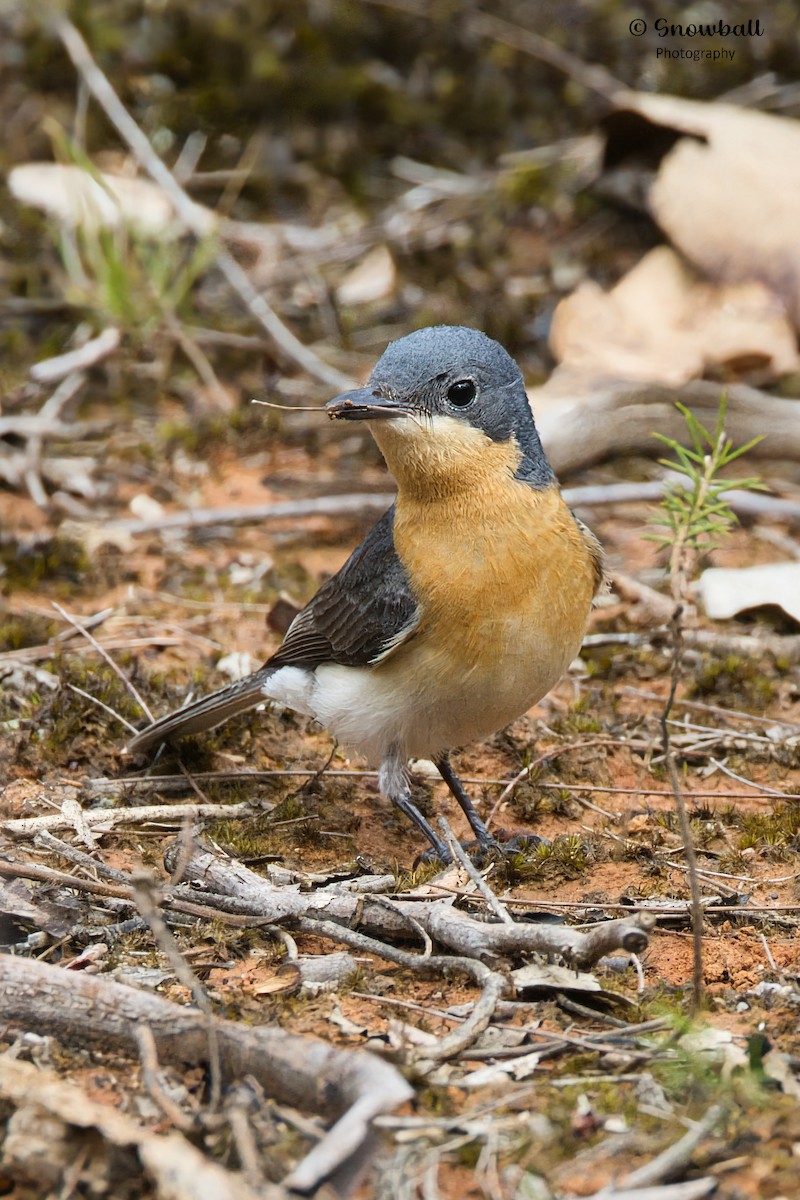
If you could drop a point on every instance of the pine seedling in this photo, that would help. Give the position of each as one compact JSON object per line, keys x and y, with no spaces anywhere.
{"x":694,"y":517}
{"x":695,"y":514}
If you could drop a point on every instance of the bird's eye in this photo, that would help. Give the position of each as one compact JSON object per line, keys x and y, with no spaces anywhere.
{"x":462,"y":393}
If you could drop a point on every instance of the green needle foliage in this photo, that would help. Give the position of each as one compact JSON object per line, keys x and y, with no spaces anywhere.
{"x":695,"y":515}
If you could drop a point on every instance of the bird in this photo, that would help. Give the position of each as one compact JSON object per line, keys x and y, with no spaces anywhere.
{"x":464,"y":604}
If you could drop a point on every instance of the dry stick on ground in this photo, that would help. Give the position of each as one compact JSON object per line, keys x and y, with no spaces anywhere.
{"x":253,"y":899}
{"x":25,"y":466}
{"x":359,"y":503}
{"x":674,"y":1159}
{"x":84,"y":633}
{"x":105,"y":707}
{"x":147,"y":902}
{"x":97,"y":83}
{"x":106,"y":819}
{"x":51,"y":370}
{"x":351,"y":1085}
{"x":32,"y":654}
{"x":456,"y":849}
{"x":457,"y":930}
{"x":735,"y":714}
{"x":512,"y":784}
{"x":745,"y":504}
{"x":492,"y":983}
{"x":759,"y":787}
{"x":692,"y":1189}
{"x":148,"y":1056}
{"x":79,"y":858}
{"x":129,"y":784}
{"x":784,"y":647}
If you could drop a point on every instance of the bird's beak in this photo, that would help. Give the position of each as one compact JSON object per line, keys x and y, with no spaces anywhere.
{"x":366,"y":404}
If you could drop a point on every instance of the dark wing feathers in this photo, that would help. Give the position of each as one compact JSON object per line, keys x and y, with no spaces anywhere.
{"x":360,"y":615}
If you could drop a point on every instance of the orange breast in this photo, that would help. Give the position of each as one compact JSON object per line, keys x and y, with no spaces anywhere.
{"x":506,"y":580}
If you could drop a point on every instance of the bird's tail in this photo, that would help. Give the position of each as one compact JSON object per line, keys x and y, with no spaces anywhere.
{"x":206,"y":713}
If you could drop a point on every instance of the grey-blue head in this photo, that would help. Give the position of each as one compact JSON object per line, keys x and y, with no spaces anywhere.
{"x":456,"y":372}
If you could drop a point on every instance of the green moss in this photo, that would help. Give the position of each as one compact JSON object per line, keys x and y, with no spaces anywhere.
{"x":776,"y":830}
{"x":18,"y":630}
{"x":566,"y":857}
{"x":694,"y":1079}
{"x":575,"y":722}
{"x":526,"y":185}
{"x":70,"y":723}
{"x":58,"y":563}
{"x":421,"y":874}
{"x":733,"y":681}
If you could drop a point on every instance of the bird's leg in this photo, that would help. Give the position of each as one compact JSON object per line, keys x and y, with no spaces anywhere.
{"x":393,"y":782}
{"x":445,"y":769}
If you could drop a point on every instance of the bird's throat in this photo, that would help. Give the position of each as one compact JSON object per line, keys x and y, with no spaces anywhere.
{"x":434,"y":458}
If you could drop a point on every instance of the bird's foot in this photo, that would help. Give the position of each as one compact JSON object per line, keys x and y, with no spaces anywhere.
{"x":483,"y":851}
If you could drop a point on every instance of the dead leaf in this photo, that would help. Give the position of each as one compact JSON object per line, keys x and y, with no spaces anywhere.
{"x":660,"y":323}
{"x":101,"y":200}
{"x":552,"y":977}
{"x":726,"y":592}
{"x":374,"y":278}
{"x":726,"y":191}
{"x":284,"y":981}
{"x":510,"y":1068}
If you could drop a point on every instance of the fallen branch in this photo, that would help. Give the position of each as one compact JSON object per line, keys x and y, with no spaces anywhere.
{"x":784,"y":647}
{"x":324,"y":506}
{"x":692,"y":1189}
{"x":351,"y":1085}
{"x":26,"y":467}
{"x":458,"y":931}
{"x":581,"y":948}
{"x":744,"y":504}
{"x":32,"y":654}
{"x":104,"y":819}
{"x":580,"y":424}
{"x":51,"y":370}
{"x":772,"y":507}
{"x":675,"y":1158}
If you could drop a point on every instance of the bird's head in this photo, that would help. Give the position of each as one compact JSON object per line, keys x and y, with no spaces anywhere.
{"x":447,"y":404}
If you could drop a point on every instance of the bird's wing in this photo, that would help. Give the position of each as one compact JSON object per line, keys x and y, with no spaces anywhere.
{"x":361,"y":615}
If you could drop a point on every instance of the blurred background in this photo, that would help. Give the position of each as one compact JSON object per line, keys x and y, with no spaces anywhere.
{"x":212,"y":202}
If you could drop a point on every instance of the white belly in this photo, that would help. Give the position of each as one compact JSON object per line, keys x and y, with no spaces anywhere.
{"x":421,"y":701}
